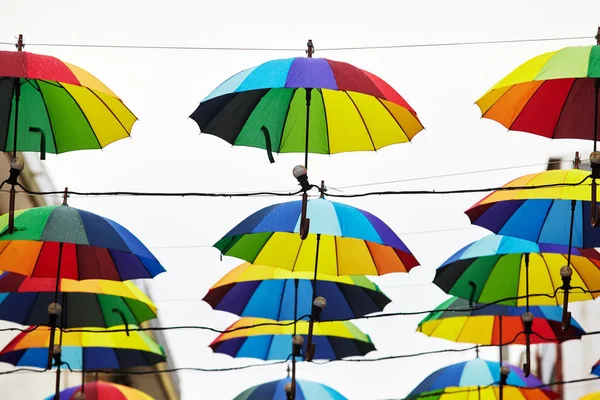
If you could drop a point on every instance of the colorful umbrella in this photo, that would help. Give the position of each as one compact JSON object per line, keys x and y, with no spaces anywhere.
{"x":272,"y":293}
{"x":495,"y":324}
{"x":494,"y":269}
{"x":554,"y":95}
{"x":350,"y":241}
{"x":85,"y":350}
{"x":478,"y":373}
{"x":97,"y":303}
{"x":488,"y":392}
{"x":88,"y":246}
{"x":542,"y":215}
{"x":275,"y":390}
{"x":49,"y":106}
{"x":100,"y":390}
{"x":307,"y":105}
{"x":334,"y":340}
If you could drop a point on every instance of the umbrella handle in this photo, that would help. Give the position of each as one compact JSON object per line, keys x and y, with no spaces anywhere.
{"x":304,"y":222}
{"x":594,"y":208}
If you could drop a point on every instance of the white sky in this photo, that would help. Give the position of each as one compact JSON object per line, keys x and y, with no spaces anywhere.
{"x":166,"y":153}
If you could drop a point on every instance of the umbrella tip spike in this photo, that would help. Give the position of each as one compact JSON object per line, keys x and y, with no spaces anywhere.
{"x":577,"y":160}
{"x":598,"y":36}
{"x":65,"y":196}
{"x":20,"y":45}
{"x":310,"y":49}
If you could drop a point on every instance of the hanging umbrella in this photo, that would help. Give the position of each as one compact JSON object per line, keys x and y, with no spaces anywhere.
{"x":544,"y":214}
{"x":487,"y":392}
{"x":554,"y":95}
{"x":344,"y":239}
{"x":84,"y":350}
{"x":96,"y":303}
{"x":87,"y":245}
{"x":272,"y":293}
{"x":50,"y":106}
{"x":480,"y":373}
{"x":334,"y":340}
{"x":494,"y":269}
{"x":100,"y":390}
{"x":495,"y":324}
{"x":501,"y":274}
{"x":307,"y":105}
{"x":276,"y":390}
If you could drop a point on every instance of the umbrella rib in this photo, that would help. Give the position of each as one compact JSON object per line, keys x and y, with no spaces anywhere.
{"x":562,"y":109}
{"x":362,"y":119}
{"x":287,"y":112}
{"x":326,"y":123}
{"x":371,"y":255}
{"x":49,"y":119}
{"x":398,"y":122}
{"x":111,"y":111}
{"x":545,"y":218}
{"x":36,"y":259}
{"x":82,"y":113}
{"x":297,"y":253}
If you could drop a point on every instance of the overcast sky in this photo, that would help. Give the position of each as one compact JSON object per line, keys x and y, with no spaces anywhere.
{"x":166,"y":152}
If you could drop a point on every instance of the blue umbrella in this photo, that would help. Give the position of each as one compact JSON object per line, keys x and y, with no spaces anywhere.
{"x":275,"y":390}
{"x":258,"y":291}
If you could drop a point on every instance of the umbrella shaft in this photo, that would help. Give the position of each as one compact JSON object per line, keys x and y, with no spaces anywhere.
{"x":308,"y":98}
{"x":16,"y":125}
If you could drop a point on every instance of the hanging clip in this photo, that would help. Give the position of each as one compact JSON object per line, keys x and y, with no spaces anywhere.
{"x":310,"y":49}
{"x":301,"y":175}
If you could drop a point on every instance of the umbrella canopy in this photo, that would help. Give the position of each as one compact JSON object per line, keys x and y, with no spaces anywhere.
{"x":352,"y":241}
{"x":551,"y":95}
{"x":334,"y":340}
{"x":474,"y":373}
{"x":349,"y":109}
{"x":482,"y":326}
{"x":488,"y":392}
{"x":258,"y":291}
{"x":591,"y":396}
{"x":96,"y":303}
{"x":275,"y":390}
{"x":93,"y":247}
{"x":542,"y":215}
{"x":85,"y":350}
{"x":485,"y":272}
{"x":596,"y":368}
{"x":67,"y":107}
{"x":100,"y":390}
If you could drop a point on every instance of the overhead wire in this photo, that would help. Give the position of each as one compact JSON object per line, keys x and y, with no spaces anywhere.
{"x":292,"y":49}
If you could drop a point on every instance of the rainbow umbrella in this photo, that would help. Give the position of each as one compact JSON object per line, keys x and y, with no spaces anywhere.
{"x":100,"y":390}
{"x":501,"y":268}
{"x":97,"y":303}
{"x":68,"y":243}
{"x":554,"y":95}
{"x":272,"y":293}
{"x":343,"y":239}
{"x":495,"y":324}
{"x":308,"y":105}
{"x":470,"y":375}
{"x":334,"y":340}
{"x":275,"y":390}
{"x":85,"y":349}
{"x":50,"y":106}
{"x":487,"y":392}
{"x":541,"y":214}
